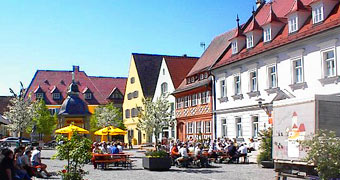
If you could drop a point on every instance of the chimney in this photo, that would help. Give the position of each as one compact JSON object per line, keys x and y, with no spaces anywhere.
{"x":185,"y":55}
{"x":259,"y":2}
{"x":75,"y":68}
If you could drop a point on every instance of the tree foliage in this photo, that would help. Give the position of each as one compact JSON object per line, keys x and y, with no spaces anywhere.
{"x":20,"y":114}
{"x":43,"y":120}
{"x":77,"y":152}
{"x":266,"y":137}
{"x":324,"y":152}
{"x":107,"y":115}
{"x":155,"y":116}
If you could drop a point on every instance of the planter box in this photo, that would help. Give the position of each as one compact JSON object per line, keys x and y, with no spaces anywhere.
{"x":157,"y":164}
{"x":267,"y":164}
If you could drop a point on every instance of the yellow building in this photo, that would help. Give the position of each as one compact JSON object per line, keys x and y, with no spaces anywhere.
{"x":141,"y":84}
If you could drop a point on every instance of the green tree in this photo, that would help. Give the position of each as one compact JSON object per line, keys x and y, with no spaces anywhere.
{"x":266,"y":137}
{"x":44,"y":122}
{"x":107,"y":115}
{"x":77,"y":152}
{"x":324,"y":152}
{"x":155,"y":116}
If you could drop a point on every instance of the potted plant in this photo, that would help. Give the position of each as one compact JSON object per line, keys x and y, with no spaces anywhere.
{"x":153,"y":118}
{"x":157,"y":160}
{"x":265,"y":156}
{"x":77,"y":152}
{"x":323,"y":152}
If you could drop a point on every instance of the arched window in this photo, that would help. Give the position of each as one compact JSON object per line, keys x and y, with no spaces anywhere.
{"x":164,"y":87}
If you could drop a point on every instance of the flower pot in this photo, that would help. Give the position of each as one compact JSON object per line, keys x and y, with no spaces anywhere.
{"x":157,"y":163}
{"x":267,"y":164}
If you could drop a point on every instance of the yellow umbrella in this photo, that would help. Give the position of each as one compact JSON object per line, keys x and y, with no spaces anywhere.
{"x":110,"y":130}
{"x":70,"y":129}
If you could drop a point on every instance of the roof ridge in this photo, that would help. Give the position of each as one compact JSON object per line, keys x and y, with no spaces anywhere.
{"x":108,"y":77}
{"x":145,"y":54}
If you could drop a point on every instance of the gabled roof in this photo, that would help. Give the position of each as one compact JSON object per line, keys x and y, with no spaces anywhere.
{"x":238,"y":32}
{"x":86,"y":90}
{"x":297,"y":7}
{"x":179,"y":67}
{"x":271,"y":17}
{"x":216,"y":48}
{"x":114,"y":91}
{"x":148,"y":66}
{"x":253,"y":25}
{"x":281,"y":8}
{"x":100,"y":87}
{"x":38,"y":90}
{"x":55,"y":90}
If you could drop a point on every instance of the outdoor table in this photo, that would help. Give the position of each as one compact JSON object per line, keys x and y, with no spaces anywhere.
{"x":113,"y":158}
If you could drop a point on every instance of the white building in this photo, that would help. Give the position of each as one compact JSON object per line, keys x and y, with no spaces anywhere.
{"x":172,"y":72}
{"x":289,"y":50}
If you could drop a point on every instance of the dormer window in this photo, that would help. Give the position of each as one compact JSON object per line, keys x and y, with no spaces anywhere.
{"x":39,"y":95}
{"x":192,"y":79}
{"x":234,"y":47}
{"x":56,"y":96}
{"x":205,"y":75}
{"x":267,"y":34}
{"x":250,"y":41}
{"x":318,"y":13}
{"x":293,"y":24}
{"x":201,"y":76}
{"x":88,"y":96}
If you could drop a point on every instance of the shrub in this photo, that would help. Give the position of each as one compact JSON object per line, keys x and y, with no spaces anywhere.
{"x":266,"y":137}
{"x":157,"y":154}
{"x":323,"y":150}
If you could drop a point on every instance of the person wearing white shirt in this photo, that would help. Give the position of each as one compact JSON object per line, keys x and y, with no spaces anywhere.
{"x":184,"y":156}
{"x":243,"y":152}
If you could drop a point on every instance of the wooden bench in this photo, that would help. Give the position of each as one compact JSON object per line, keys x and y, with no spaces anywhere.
{"x":123,"y":159}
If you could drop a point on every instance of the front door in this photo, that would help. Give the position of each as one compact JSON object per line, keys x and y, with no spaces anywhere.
{"x":139,"y":137}
{"x":181,"y":131}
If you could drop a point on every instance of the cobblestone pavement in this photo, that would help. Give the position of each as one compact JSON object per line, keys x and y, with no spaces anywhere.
{"x":218,"y":171}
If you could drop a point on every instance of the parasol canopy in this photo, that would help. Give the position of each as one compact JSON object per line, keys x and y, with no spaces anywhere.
{"x":70,"y":129}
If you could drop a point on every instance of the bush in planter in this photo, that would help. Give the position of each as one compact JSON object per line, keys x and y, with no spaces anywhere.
{"x":77,"y":151}
{"x":265,"y":154}
{"x":323,"y":150}
{"x":157,"y":154}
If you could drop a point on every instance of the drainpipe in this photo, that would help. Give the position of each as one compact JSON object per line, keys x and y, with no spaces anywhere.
{"x":214,"y":106}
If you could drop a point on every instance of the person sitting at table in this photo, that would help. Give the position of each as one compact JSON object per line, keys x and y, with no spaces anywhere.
{"x":183,"y":159}
{"x":96,"y":150}
{"x":232,"y":152}
{"x":114,"y":149}
{"x":174,"y":153}
{"x":243,"y":152}
{"x":191,"y":148}
{"x":36,"y":161}
{"x":199,"y":156}
{"x":120,"y":147}
{"x":104,"y":148}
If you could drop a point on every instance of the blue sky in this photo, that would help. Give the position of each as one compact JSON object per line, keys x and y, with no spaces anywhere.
{"x":100,"y":35}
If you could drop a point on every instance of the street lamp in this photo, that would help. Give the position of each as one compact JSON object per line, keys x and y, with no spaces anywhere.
{"x":266,"y":108}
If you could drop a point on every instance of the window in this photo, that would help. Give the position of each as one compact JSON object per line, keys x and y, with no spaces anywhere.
{"x":163,"y":71}
{"x":198,"y":127}
{"x":190,"y":127}
{"x":198,"y":98}
{"x":132,"y":80}
{"x":237,"y":83}
{"x":234,"y":47}
{"x":135,"y":94}
{"x":317,"y":14}
{"x":208,"y":97}
{"x":117,"y":96}
{"x":179,"y":103}
{"x":164,"y":88}
{"x":39,"y":95}
{"x":129,"y":96}
{"x":272,"y":76}
{"x":205,"y":75}
{"x":255,"y":126}
{"x":207,"y":126}
{"x":297,"y":71}
{"x":186,"y":101}
{"x":224,"y":128}
{"x":204,"y":98}
{"x":194,"y":100}
{"x":134,"y":112}
{"x":172,"y":108}
{"x":250,"y":42}
{"x":293,"y":24}
{"x":54,"y":111}
{"x":223,"y":88}
{"x":238,"y":127}
{"x":127,"y":113}
{"x":56,"y":96}
{"x":88,"y":96}
{"x":267,"y":34}
{"x":329,"y":63}
{"x":253,"y":81}
{"x":201,"y":76}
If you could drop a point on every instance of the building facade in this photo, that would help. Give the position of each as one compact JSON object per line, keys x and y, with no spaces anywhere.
{"x":172,"y":72}
{"x":286,"y":50}
{"x":54,"y":88}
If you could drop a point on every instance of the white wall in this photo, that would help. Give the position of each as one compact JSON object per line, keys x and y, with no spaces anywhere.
{"x":167,"y":79}
{"x":310,"y":51}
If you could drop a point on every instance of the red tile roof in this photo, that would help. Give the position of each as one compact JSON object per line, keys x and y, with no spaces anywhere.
{"x":49,"y":80}
{"x":215,"y":50}
{"x":253,"y":25}
{"x":179,"y":67}
{"x":297,"y":6}
{"x":281,"y":8}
